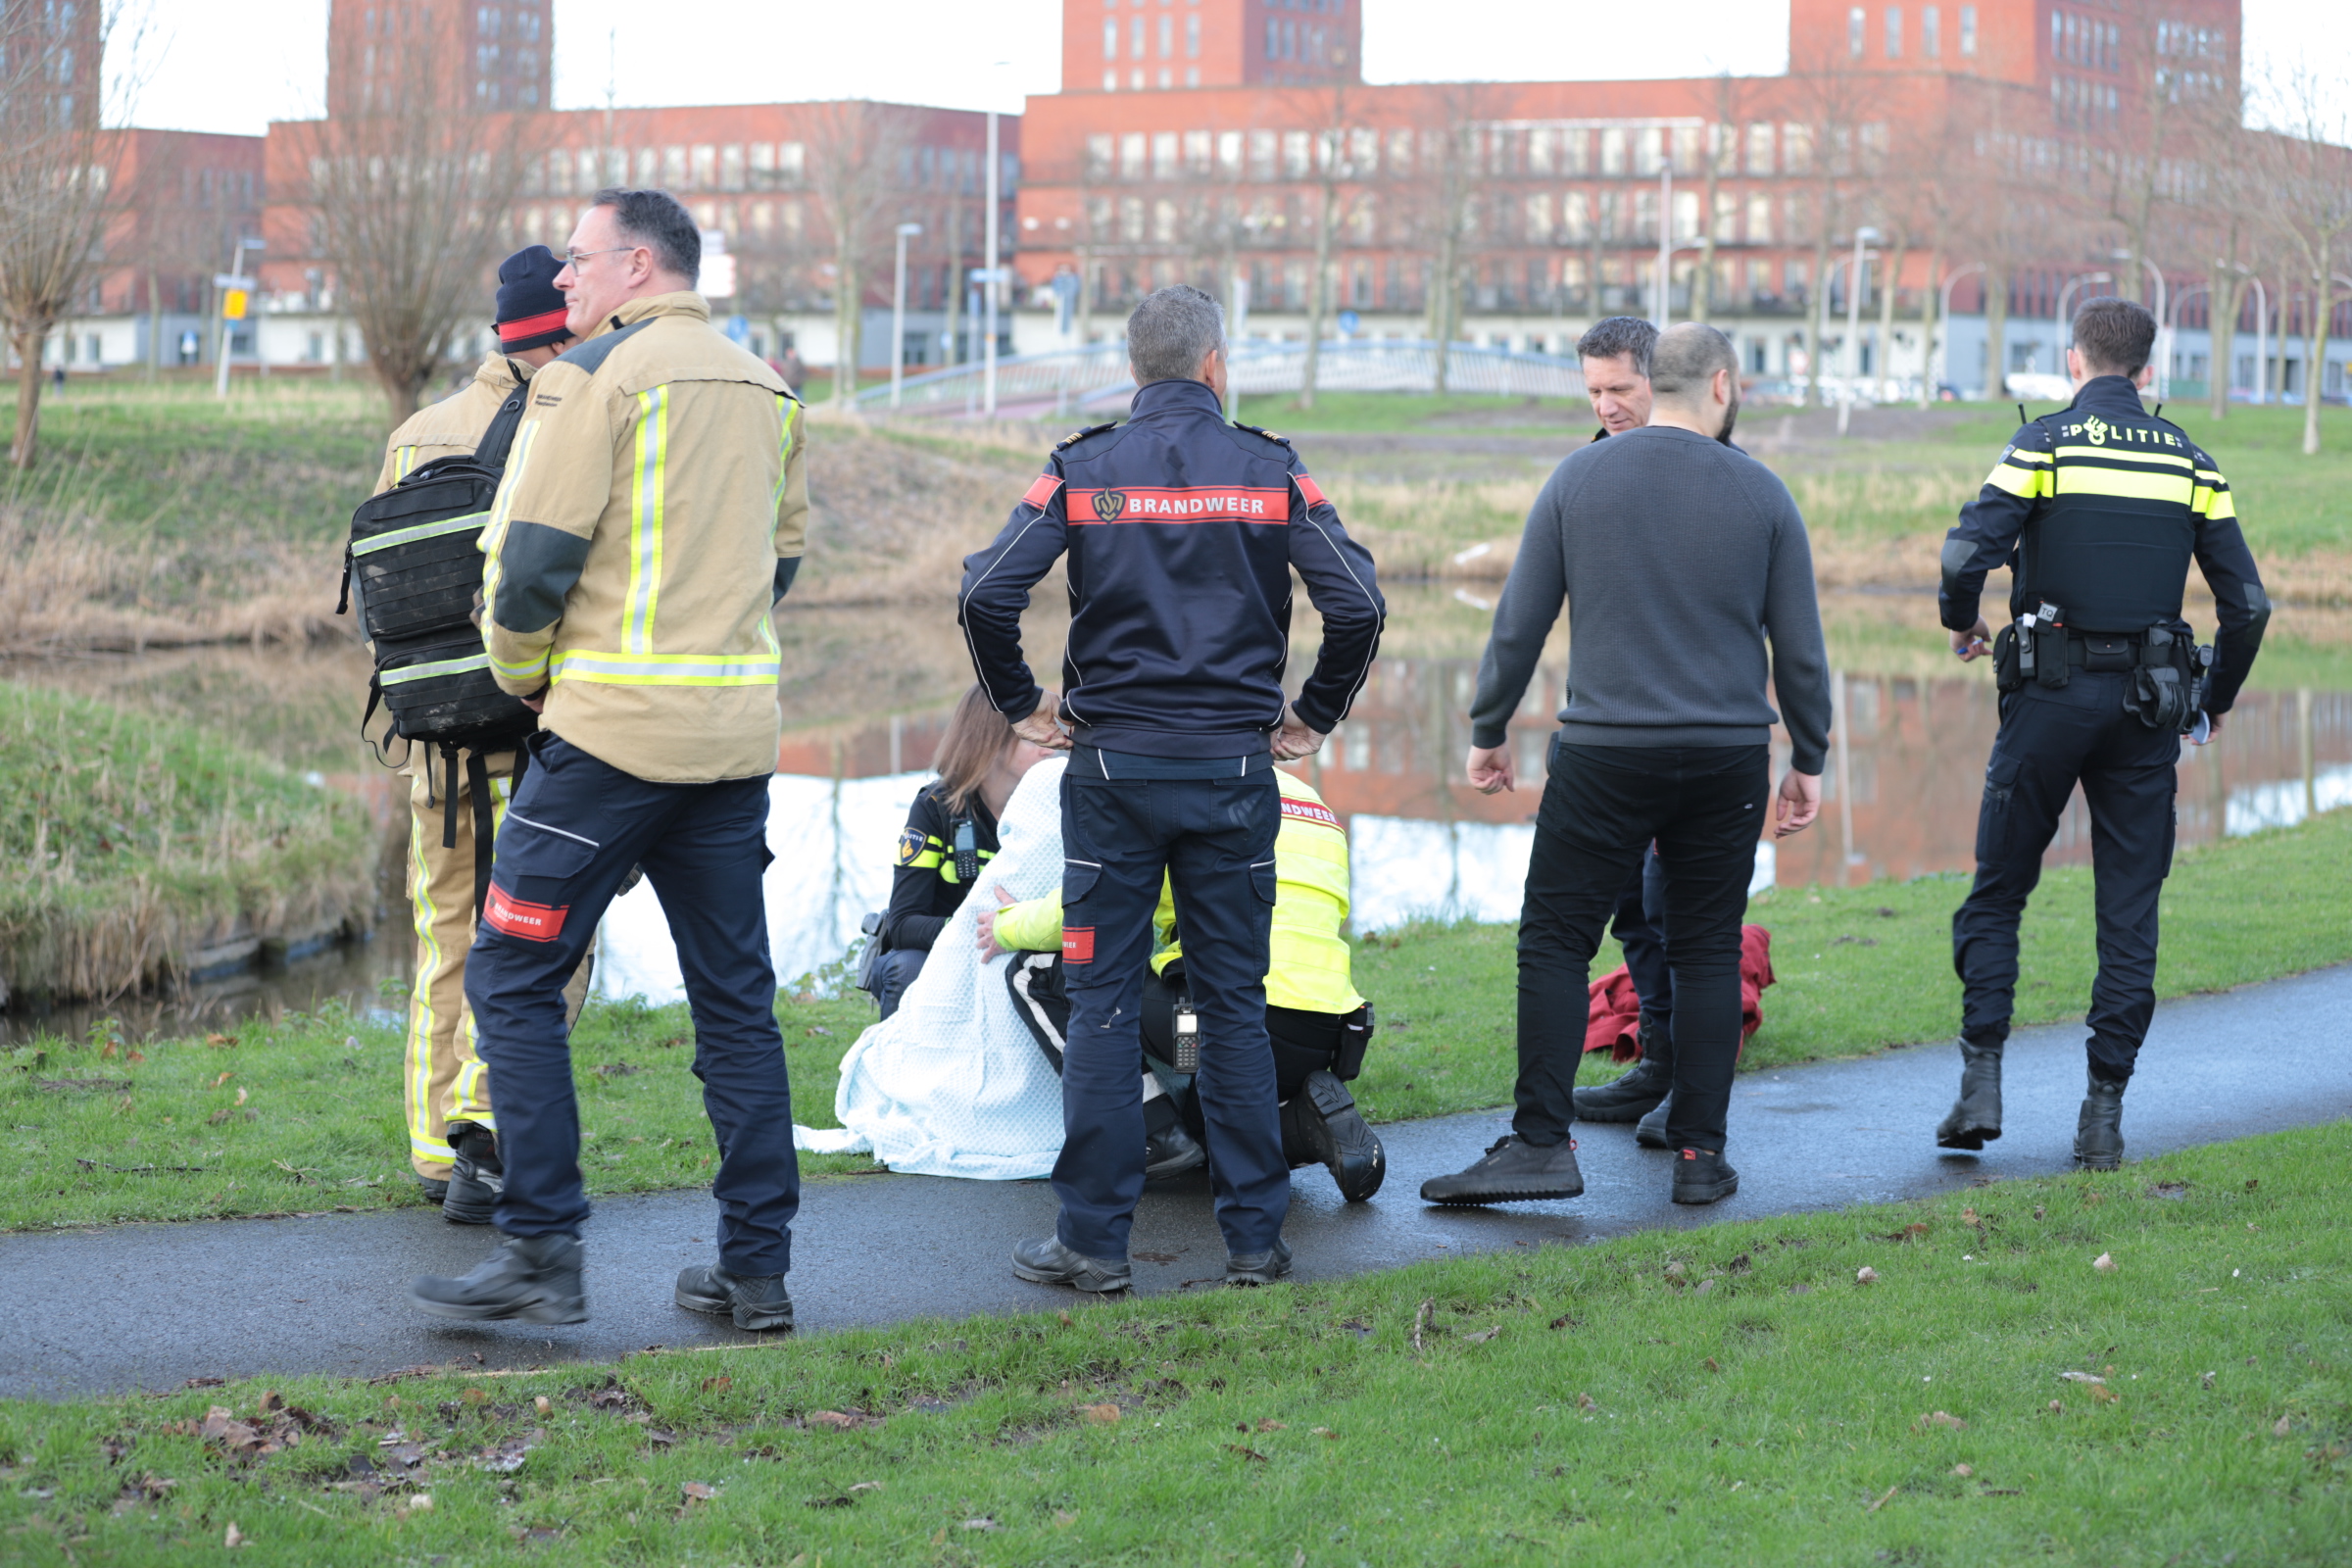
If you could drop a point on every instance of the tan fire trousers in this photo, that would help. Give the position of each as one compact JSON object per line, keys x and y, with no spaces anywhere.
{"x":443,"y":1080}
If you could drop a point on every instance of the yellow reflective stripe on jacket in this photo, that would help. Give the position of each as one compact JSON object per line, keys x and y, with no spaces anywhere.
{"x":2022,"y":474}
{"x":439,"y":666}
{"x":425,"y":530}
{"x":2211,"y":497}
{"x":2078,"y":476}
{"x":646,"y":500}
{"x":501,"y":512}
{"x":403,"y":462}
{"x":536,"y":669}
{"x":665,"y":670}
{"x":776,"y":498}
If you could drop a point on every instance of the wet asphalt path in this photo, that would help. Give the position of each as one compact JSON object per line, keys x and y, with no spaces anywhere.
{"x":152,"y":1305}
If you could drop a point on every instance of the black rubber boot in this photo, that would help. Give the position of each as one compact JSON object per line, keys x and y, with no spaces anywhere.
{"x":1331,"y":1132}
{"x":1168,"y":1149}
{"x":475,"y":1176}
{"x":1651,"y":1131}
{"x":1259,"y":1269}
{"x":533,"y":1279}
{"x":755,"y":1302}
{"x":435,"y":1190}
{"x":1703,"y":1176}
{"x":1646,"y":1084}
{"x":1976,"y":1118}
{"x":1512,"y":1171}
{"x":1048,"y":1262}
{"x":2099,"y":1130}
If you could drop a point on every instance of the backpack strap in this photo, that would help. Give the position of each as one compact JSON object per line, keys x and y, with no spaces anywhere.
{"x":448,"y":797}
{"x":477,"y":778}
{"x":492,"y":451}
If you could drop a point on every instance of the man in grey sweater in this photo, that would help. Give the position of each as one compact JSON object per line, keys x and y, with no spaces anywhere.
{"x":1679,"y":558}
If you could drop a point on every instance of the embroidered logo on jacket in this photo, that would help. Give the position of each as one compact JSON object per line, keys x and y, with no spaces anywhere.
{"x":910,"y":846}
{"x":532,"y":922}
{"x":1109,"y":504}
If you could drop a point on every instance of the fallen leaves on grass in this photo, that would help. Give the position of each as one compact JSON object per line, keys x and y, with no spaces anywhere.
{"x":698,"y":1492}
{"x":843,"y":1420}
{"x":2082,"y":1377}
{"x":2285,"y":1426}
{"x":1963,"y":1471}
{"x":2103,"y":1394}
{"x":1247,"y":1453}
{"x":1565,"y":1321}
{"x":717,"y":1385}
{"x":1865,"y":1275}
{"x":2104,"y":1262}
{"x":235,"y":1537}
{"x":1421,"y":1323}
{"x":1939,"y":1418}
{"x":1882,"y":1499}
{"x":1101,"y":1415}
{"x":219,"y":1039}
{"x":1482,"y":1335}
{"x":278,"y":1426}
{"x":1909,"y":1232}
{"x":981,"y":1523}
{"x":614,"y":1070}
{"x":1709,"y":1364}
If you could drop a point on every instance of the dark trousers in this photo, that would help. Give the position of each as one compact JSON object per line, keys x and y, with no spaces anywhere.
{"x":1214,"y":839}
{"x":1639,"y":926}
{"x":571,"y":836}
{"x":2049,"y":742}
{"x":1704,"y":807}
{"x":894,"y":971}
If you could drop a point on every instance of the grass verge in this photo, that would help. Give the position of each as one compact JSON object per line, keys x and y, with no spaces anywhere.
{"x":304,"y":1114}
{"x":129,"y":843}
{"x":2149,"y":1367}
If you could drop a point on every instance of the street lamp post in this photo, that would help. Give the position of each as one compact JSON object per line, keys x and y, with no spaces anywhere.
{"x":1665,"y":311}
{"x":2164,"y":345}
{"x":2262,"y":341}
{"x":1939,"y":360}
{"x":2180,"y":303}
{"x":1853,"y":326}
{"x":897,"y":313}
{"x":2066,"y":322}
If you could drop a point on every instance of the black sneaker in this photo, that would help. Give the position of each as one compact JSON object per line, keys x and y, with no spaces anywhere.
{"x":2099,"y":1128}
{"x":1702,"y":1176}
{"x":1259,"y":1269}
{"x":1048,"y":1262}
{"x":1172,"y":1151}
{"x":1512,"y":1171}
{"x":535,"y":1279}
{"x":1645,"y":1086}
{"x":475,"y":1175}
{"x":1976,"y":1118}
{"x":1650,"y":1131}
{"x":1333,"y":1134}
{"x":755,"y":1300}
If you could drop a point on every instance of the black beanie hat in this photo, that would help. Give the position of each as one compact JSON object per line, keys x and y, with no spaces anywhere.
{"x":531,"y":307}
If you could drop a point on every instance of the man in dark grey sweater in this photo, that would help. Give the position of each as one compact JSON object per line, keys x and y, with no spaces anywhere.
{"x":1677,"y":557}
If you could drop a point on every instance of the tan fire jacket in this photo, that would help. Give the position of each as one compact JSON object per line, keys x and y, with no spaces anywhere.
{"x":455,"y":424}
{"x":654,"y":511}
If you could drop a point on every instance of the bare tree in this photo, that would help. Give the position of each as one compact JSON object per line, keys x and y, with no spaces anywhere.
{"x":1334,"y":170}
{"x":412,"y":197}
{"x":1449,"y":187}
{"x":2307,"y":188}
{"x":57,"y":194}
{"x":1833,"y":104}
{"x":1734,"y":96}
{"x":853,"y":156}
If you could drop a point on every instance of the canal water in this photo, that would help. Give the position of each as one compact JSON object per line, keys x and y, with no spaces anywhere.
{"x":866,"y":692}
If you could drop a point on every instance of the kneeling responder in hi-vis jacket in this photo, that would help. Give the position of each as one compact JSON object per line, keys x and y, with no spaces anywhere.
{"x":452,"y":1130}
{"x":1316,"y":1023}
{"x":651,"y":516}
{"x":2097,"y":511}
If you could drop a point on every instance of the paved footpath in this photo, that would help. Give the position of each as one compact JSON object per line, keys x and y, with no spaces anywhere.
{"x":150,"y":1306}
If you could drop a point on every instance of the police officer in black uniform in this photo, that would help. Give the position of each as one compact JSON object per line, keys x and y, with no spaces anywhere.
{"x":2097,"y":512}
{"x":1182,"y":533}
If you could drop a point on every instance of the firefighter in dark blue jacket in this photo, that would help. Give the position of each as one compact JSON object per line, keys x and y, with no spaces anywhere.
{"x":2097,"y":512}
{"x":1182,"y":533}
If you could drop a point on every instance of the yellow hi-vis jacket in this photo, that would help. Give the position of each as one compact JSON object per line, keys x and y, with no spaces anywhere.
{"x":1307,"y":967}
{"x":653,"y":510}
{"x":456,"y":424}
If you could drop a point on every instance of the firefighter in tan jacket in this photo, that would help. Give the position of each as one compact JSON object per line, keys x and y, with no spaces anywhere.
{"x":650,"y":514}
{"x":444,"y":1092}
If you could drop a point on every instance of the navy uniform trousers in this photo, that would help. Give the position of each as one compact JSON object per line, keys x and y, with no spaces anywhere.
{"x":1213,"y":839}
{"x":2049,"y":741}
{"x":571,"y":833}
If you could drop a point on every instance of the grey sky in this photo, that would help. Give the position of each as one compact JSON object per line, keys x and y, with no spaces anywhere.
{"x":199,"y":73}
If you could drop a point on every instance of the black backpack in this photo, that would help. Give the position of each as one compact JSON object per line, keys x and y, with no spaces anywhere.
{"x":414,"y":568}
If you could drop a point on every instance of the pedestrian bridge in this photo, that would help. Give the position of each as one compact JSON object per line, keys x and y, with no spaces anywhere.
{"x":1094,"y":378}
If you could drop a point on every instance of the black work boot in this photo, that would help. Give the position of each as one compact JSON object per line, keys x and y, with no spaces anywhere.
{"x":1651,"y":1133}
{"x":434,"y":1188}
{"x":2099,"y":1130}
{"x":475,"y":1176}
{"x":1048,"y":1262}
{"x":1703,"y":1176}
{"x":1643,"y":1086}
{"x":1168,"y":1148}
{"x":755,"y":1300}
{"x":1331,"y":1132}
{"x":535,"y":1279}
{"x":1976,"y":1118}
{"x":1512,"y":1171}
{"x":1259,"y":1269}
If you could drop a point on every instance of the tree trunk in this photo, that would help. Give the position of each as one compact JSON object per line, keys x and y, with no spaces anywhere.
{"x":846,"y":297}
{"x":1929,"y":301}
{"x":1820,"y":286}
{"x":2315,"y":355}
{"x":1997,"y":332}
{"x":1441,"y":310}
{"x":28,"y":397}
{"x":2223,"y":296}
{"x":404,"y":391}
{"x":155,"y":326}
{"x":1702,"y":281}
{"x":1317,"y":295}
{"x":2275,"y":371}
{"x":1894,"y":281}
{"x":956,"y":285}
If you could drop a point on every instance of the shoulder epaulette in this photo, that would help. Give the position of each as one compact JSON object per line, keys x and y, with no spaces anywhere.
{"x":1260,"y":430}
{"x":1079,"y":435}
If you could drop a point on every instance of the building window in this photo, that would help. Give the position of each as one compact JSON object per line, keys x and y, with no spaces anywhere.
{"x":1110,"y":81}
{"x":1135,"y":38}
{"x":1111,"y":39}
{"x":1191,"y":36}
{"x":1167,"y":37}
{"x":1855,"y":26}
{"x":1191,"y":75}
{"x":1273,"y":39}
{"x":1759,"y":148}
{"x":1930,"y":31}
{"x":1967,"y":33}
{"x":1894,"y":32}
